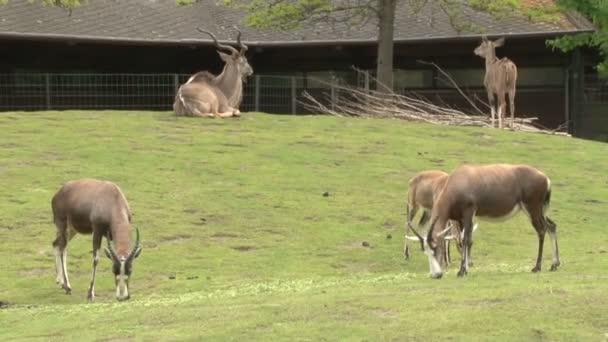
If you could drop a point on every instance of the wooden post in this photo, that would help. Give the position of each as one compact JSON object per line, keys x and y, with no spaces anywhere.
{"x":257,"y":93}
{"x":333,"y":93}
{"x":47,"y":91}
{"x":294,"y":97}
{"x":577,"y":74}
{"x":175,"y":84}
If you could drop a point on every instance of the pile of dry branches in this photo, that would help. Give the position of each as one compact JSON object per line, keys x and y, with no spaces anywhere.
{"x":347,"y":100}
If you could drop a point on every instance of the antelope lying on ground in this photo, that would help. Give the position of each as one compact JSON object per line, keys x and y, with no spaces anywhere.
{"x":423,"y":190}
{"x":500,"y":79}
{"x":493,"y":192}
{"x":207,"y":95}
{"x":90,"y":206}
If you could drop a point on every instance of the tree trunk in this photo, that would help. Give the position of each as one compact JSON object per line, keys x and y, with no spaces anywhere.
{"x":386,"y":27}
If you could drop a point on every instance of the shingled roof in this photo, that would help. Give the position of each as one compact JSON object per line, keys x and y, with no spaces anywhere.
{"x":164,"y":22}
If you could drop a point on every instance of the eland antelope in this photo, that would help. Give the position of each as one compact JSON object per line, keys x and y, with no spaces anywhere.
{"x":423,"y":190}
{"x":90,"y":206}
{"x":207,"y":95}
{"x":498,"y":192}
{"x":500,"y":79}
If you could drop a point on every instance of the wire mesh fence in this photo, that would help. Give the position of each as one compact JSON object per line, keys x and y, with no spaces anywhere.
{"x":596,"y":89}
{"x":59,"y":91}
{"x":267,"y":93}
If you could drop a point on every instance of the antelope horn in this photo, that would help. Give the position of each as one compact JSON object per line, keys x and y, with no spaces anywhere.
{"x":238,"y":41}
{"x":216,"y":43}
{"x":110,"y":253}
{"x":136,"y":248}
{"x":418,"y":237}
{"x":443,"y":232}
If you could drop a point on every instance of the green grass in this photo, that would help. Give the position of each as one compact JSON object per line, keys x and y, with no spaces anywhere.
{"x":240,"y":243}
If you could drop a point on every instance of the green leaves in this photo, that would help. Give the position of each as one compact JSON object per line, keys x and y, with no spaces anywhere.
{"x":597,"y":12}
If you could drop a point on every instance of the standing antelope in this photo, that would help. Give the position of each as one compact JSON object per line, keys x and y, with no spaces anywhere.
{"x":495,"y":191}
{"x":90,"y":206}
{"x":424,"y":188}
{"x":500,"y":79}
{"x":207,"y":95}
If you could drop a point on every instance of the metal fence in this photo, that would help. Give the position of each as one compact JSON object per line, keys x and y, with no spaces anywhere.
{"x":58,"y":91}
{"x":596,"y":89}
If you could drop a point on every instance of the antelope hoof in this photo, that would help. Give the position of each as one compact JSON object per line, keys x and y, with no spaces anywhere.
{"x":462,"y":273}
{"x":68,"y":290}
{"x":554,"y":266}
{"x":91,"y":296}
{"x":536,"y":269}
{"x":436,"y":275}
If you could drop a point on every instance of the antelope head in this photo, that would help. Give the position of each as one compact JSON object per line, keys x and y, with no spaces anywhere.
{"x":234,"y":58}
{"x":122,"y":267}
{"x":487,"y":47}
{"x":434,"y":249}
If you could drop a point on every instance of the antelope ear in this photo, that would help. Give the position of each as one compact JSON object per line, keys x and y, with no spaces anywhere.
{"x":224,"y":56}
{"x":108,"y":254}
{"x":499,"y":42}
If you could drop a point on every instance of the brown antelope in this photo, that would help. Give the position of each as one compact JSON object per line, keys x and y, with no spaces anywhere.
{"x":90,"y":206}
{"x":496,"y":192}
{"x":207,"y":95}
{"x":500,"y":79}
{"x":423,"y":190}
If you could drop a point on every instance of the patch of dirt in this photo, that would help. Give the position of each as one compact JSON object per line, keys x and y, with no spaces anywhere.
{"x":209,"y":219}
{"x":274,"y":232}
{"x":438,"y":162}
{"x":390,"y":224}
{"x":116,"y":339}
{"x":222,"y":235}
{"x":384,"y":313}
{"x":10,"y":145}
{"x":243,"y":248}
{"x":233,"y":145}
{"x":360,"y":244}
{"x":363,"y":218}
{"x":35,"y":272}
{"x":312,"y":218}
{"x":175,"y":238}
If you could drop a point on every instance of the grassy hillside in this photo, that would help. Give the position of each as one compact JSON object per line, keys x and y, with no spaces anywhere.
{"x":240,"y":243}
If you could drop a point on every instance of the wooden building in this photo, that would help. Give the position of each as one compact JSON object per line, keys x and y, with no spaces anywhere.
{"x":146,"y":37}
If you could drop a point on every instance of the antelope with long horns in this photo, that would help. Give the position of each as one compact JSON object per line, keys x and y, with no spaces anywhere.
{"x":207,"y":95}
{"x":90,"y":206}
{"x":500,"y":79}
{"x":495,"y":192}
{"x":423,"y":190}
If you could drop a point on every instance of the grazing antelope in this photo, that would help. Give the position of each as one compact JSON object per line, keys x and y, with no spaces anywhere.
{"x":207,"y":95}
{"x":423,"y":190}
{"x":90,"y":206}
{"x":496,"y":192}
{"x":500,"y":79}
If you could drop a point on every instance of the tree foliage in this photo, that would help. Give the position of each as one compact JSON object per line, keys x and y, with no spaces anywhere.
{"x":597,"y":12}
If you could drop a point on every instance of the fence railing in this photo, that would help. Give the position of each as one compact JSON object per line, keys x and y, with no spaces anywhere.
{"x":57,"y":91}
